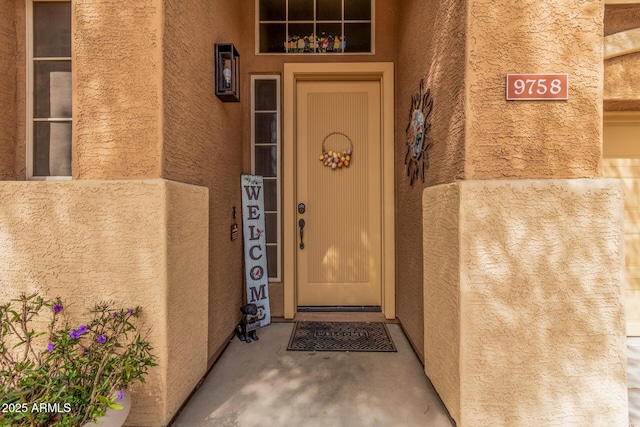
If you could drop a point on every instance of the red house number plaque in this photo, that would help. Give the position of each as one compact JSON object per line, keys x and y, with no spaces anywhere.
{"x":537,"y":87}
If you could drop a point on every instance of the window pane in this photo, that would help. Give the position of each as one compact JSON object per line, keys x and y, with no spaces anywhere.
{"x":266,"y":97}
{"x":52,"y":89}
{"x":358,"y":37}
{"x":273,"y":38}
{"x":52,"y":29}
{"x":301,"y":10}
{"x":329,"y":35}
{"x":297,"y":34}
{"x":272,"y":10}
{"x":270,"y":195}
{"x":271,"y":227}
{"x":272,"y":261}
{"x":265,"y":160}
{"x":328,"y":10}
{"x":266,"y":131}
{"x":357,"y":9}
{"x":52,"y":149}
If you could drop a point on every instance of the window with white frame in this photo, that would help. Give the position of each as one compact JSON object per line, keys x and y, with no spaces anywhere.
{"x":49,"y":89}
{"x":265,"y":160}
{"x":314,"y":26}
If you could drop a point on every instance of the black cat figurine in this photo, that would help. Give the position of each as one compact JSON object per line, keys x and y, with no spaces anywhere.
{"x":249,"y":316}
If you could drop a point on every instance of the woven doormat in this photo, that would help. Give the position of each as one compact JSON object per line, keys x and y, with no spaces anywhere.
{"x":341,"y":336}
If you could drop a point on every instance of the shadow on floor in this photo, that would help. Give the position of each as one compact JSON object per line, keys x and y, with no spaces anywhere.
{"x":263,"y":384}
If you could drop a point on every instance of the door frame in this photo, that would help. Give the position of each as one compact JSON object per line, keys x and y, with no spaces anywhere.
{"x":373,"y":71}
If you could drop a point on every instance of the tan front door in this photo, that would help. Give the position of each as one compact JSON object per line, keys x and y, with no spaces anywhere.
{"x":340,"y":264}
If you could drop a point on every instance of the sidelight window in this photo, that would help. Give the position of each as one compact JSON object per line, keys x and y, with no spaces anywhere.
{"x":265,"y":160}
{"x":49,"y":90}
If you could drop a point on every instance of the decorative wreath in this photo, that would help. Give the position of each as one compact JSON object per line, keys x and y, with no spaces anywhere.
{"x":336,"y":159}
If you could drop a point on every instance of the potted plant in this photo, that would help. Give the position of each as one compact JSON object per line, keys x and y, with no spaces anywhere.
{"x":63,"y":375}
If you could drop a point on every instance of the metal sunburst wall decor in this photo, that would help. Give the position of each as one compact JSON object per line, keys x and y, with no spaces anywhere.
{"x":417,"y":159}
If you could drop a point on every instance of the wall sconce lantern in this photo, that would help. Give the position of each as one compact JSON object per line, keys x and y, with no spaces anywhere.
{"x":227,"y":64}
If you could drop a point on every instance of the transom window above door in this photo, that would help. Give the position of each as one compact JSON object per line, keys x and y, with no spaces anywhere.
{"x":314,"y":26}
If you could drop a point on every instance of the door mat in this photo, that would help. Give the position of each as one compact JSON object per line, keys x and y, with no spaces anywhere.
{"x":341,"y":336}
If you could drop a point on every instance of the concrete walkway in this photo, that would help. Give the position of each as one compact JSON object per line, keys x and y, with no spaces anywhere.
{"x":263,"y":384}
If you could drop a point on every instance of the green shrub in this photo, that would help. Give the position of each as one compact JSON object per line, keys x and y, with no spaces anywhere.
{"x":81,"y":372}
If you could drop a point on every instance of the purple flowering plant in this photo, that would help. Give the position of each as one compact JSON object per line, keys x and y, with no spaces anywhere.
{"x":86,"y":365}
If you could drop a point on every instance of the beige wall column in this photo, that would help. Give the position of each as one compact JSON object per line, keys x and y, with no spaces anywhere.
{"x":117,"y":89}
{"x":523,"y":279}
{"x":144,"y":107}
{"x":431,"y":46}
{"x":8,"y":83}
{"x":138,"y":242}
{"x":524,"y":313}
{"x":202,"y":141}
{"x":526,"y":139}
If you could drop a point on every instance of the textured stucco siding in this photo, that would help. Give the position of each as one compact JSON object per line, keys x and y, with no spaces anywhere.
{"x":622,"y":74}
{"x":202,"y":142}
{"x":21,"y":92}
{"x":8,"y":76}
{"x":622,"y":80}
{"x":441,"y":206}
{"x":117,"y":105}
{"x":430,"y":47}
{"x":520,"y":139}
{"x":619,"y":18}
{"x":440,"y":60}
{"x":542,"y":335}
{"x":187,"y":297}
{"x":134,"y":243}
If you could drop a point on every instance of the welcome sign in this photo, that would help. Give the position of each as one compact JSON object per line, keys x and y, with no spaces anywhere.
{"x":255,"y":248}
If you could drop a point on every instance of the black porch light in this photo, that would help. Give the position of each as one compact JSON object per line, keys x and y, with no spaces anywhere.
{"x":227,"y":64}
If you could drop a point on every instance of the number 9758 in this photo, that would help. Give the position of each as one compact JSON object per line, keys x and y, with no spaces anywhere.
{"x":537,"y":86}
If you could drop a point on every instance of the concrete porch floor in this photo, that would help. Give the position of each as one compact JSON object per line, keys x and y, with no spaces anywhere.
{"x":263,"y":384}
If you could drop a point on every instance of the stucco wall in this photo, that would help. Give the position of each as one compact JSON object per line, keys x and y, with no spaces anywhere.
{"x":7,"y":89}
{"x":622,"y":82}
{"x":468,"y":49}
{"x":441,"y":300}
{"x":187,"y":302}
{"x":519,"y":139}
{"x":621,"y":18}
{"x":202,"y":142}
{"x":133,"y":242}
{"x":117,"y":105}
{"x":21,"y":92}
{"x":621,"y":74}
{"x":541,"y":306}
{"x":144,"y":107}
{"x":431,"y":40}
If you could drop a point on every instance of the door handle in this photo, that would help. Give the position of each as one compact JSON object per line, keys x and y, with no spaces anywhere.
{"x":301,"y":225}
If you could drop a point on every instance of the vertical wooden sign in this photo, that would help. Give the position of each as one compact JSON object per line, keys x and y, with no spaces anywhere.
{"x":255,"y":248}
